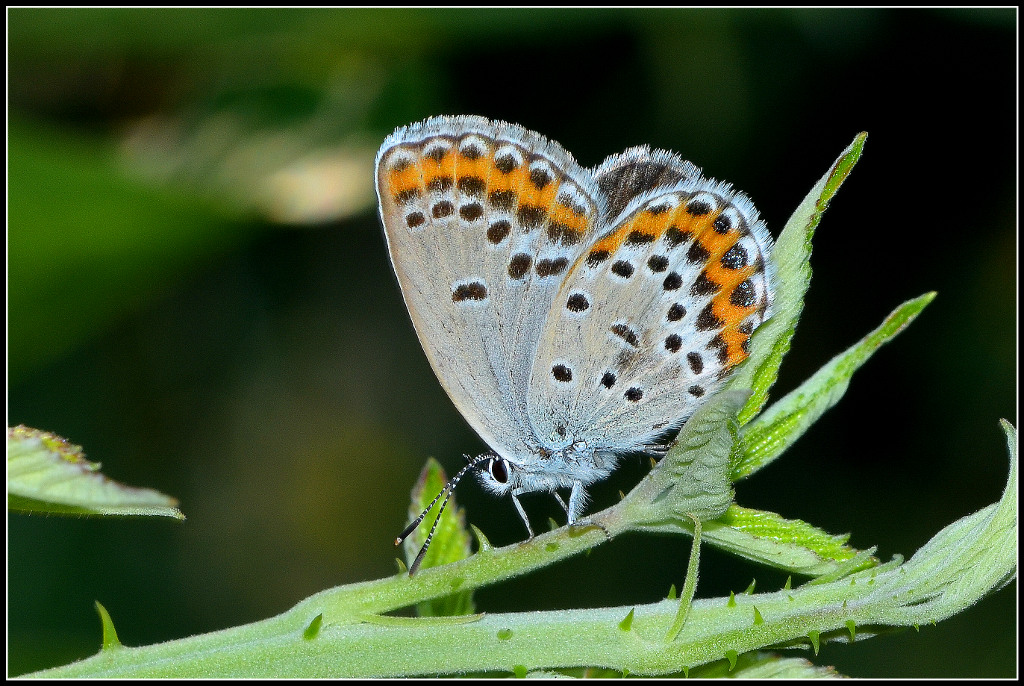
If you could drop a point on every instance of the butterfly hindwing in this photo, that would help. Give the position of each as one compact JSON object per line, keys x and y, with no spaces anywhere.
{"x":656,"y":310}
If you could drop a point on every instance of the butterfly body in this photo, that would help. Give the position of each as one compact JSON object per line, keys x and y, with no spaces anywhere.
{"x":572,"y":315}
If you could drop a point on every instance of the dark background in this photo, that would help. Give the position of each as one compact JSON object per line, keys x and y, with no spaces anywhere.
{"x":199,"y":292}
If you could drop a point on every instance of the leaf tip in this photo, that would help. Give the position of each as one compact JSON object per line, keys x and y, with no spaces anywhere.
{"x":312,"y":630}
{"x":815,"y":637}
{"x":110,"y":640}
{"x":482,"y":543}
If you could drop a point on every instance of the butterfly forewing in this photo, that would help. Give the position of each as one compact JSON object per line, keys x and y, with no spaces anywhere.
{"x":654,"y":313}
{"x":570,"y":314}
{"x":636,"y":171}
{"x":483,"y":220}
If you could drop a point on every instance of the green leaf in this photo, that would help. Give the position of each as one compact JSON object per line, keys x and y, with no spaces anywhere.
{"x":693,"y":478}
{"x":765,"y":665}
{"x":788,"y":544}
{"x":959,"y":566}
{"x":450,"y":542}
{"x":48,"y":474}
{"x":786,"y":420}
{"x":790,"y":261}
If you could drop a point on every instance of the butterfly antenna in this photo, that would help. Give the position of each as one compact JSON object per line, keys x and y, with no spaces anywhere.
{"x":416,"y":522}
{"x":430,"y":535}
{"x":448,"y":489}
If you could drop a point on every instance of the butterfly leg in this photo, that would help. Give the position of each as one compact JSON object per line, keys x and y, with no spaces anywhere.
{"x":578,"y":501}
{"x":558,"y":497}
{"x":522,"y":513}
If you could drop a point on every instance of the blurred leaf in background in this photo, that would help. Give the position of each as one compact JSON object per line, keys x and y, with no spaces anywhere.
{"x":199,"y":293}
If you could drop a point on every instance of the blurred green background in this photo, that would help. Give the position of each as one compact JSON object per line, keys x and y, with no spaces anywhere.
{"x":199,"y":293}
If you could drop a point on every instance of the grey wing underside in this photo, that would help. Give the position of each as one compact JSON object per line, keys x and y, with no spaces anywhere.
{"x":481,"y":219}
{"x":657,"y":309}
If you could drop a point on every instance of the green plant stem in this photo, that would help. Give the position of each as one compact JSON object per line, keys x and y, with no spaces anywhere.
{"x":337,"y":633}
{"x":960,"y":565}
{"x":354,"y":605}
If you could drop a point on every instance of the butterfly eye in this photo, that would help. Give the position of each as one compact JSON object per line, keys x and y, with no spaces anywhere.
{"x":498,"y":470}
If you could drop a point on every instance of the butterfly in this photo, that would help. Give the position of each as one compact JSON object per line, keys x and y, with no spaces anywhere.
{"x":572,"y":315}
